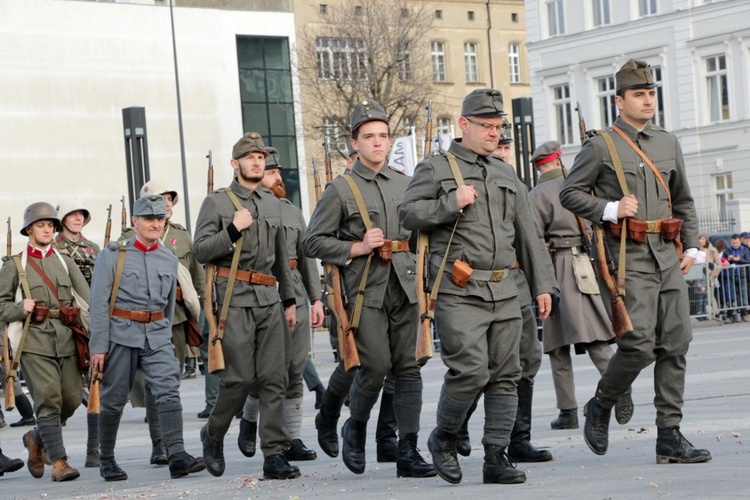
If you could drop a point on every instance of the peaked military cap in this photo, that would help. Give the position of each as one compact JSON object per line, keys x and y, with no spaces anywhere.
{"x":152,"y":205}
{"x":367,"y":110}
{"x":483,"y":102}
{"x":635,"y":75}
{"x":250,"y":143}
{"x":545,"y":153}
{"x":272,"y":160}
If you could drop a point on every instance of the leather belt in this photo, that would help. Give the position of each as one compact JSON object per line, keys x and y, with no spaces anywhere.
{"x":566,"y":250}
{"x":292,"y":263}
{"x":396,"y":245}
{"x":139,"y":316}
{"x":251,"y":277}
{"x":53,"y":314}
{"x":492,"y":275}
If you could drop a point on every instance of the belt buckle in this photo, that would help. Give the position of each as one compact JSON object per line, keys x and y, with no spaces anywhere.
{"x":148,"y":316}
{"x":252,"y":279}
{"x":653,"y":226}
{"x":497,"y":274}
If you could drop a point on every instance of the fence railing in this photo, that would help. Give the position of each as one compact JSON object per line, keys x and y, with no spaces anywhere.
{"x":719,"y":292}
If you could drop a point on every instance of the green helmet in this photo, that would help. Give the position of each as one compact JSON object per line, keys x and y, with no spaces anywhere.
{"x":40,"y":210}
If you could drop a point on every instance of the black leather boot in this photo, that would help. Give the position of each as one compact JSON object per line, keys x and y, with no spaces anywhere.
{"x":463,"y":442}
{"x":320,"y":391}
{"x":159,"y":453}
{"x":386,"y":436}
{"x":25,"y":409}
{"x":353,"y":434}
{"x":596,"y":428}
{"x":624,"y":409}
{"x":410,"y":463}
{"x":213,"y":453}
{"x":498,"y":468}
{"x":442,"y":445}
{"x":326,"y":421}
{"x":182,"y":463}
{"x":276,"y":467}
{"x":568,"y":419}
{"x":8,"y":464}
{"x":673,"y":448}
{"x":246,"y":437}
{"x":520,"y":448}
{"x":110,"y":471}
{"x":298,"y":452}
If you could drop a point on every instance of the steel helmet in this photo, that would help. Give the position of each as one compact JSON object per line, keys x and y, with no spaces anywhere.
{"x":40,"y":210}
{"x":71,"y":205}
{"x":158,"y":186}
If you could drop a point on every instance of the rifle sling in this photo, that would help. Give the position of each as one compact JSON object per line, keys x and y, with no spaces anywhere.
{"x":27,"y":293}
{"x":626,"y":192}
{"x":118,"y":276}
{"x":232,"y":270}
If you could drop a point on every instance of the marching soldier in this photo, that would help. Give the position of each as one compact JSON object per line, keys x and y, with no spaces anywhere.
{"x":645,"y":161}
{"x":134,"y":290}
{"x":49,"y":292}
{"x":580,"y":319}
{"x":8,"y":464}
{"x":255,"y":339}
{"x":386,"y":334}
{"x":306,"y":285}
{"x":477,"y":314}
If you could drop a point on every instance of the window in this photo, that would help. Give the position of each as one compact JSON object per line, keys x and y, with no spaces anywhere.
{"x":514,"y":60}
{"x":438,"y":62}
{"x":602,"y":15}
{"x":438,"y":14}
{"x":357,"y":10}
{"x":338,"y":139}
{"x":341,"y":59}
{"x":323,"y":8}
{"x":514,"y":17}
{"x":405,"y":70}
{"x":470,"y":15}
{"x":563,"y":113}
{"x":717,"y":87}
{"x":648,"y":7}
{"x":723,"y":190}
{"x":606,"y":96}
{"x":443,"y":126}
{"x":471,"y":62}
{"x":658,"y":119}
{"x":556,"y":17}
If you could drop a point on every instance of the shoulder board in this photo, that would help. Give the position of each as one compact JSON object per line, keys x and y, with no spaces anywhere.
{"x":284,"y":200}
{"x":657,"y":128}
{"x":396,"y":170}
{"x":177,"y":226}
{"x":7,"y":257}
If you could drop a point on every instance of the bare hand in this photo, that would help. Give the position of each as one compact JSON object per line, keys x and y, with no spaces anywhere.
{"x":243,"y":219}
{"x":544,"y":304}
{"x":97,"y":361}
{"x":373,"y":239}
{"x":627,"y":207}
{"x":686,"y":264}
{"x":466,"y":195}
{"x":317,"y":314}
{"x":28,"y":306}
{"x":291,"y":317}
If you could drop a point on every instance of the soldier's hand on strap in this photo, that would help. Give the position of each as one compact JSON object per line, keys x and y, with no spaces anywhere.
{"x":317,"y":314}
{"x":628,"y":207}
{"x":28,"y":306}
{"x":290,"y":314}
{"x":544,"y":304}
{"x":373,"y":239}
{"x":97,"y":361}
{"x":466,"y":195}
{"x":243,"y":219}
{"x":686,"y":264}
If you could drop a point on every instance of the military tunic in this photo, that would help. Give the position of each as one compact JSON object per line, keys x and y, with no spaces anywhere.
{"x":83,"y":252}
{"x":256,"y":335}
{"x":656,"y":292}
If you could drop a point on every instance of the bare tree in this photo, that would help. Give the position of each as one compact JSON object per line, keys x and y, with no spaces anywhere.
{"x":362,"y":49}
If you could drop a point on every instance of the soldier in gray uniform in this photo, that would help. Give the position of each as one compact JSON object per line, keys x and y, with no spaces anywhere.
{"x":581,"y":319}
{"x":477,"y":315}
{"x":255,"y":340}
{"x":386,"y":334}
{"x":656,"y":293}
{"x":48,"y":359}
{"x":306,"y":286}
{"x":134,"y":332}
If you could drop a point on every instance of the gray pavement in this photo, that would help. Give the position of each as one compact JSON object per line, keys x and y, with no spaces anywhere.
{"x":717,"y":417}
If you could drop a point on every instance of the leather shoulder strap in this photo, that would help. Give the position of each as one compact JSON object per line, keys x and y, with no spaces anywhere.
{"x":360,"y":201}
{"x":44,"y":277}
{"x":624,"y":234}
{"x":118,"y":275}
{"x":232,"y":271}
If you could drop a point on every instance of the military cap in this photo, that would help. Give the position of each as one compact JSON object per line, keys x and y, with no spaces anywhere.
{"x":39,"y":211}
{"x":71,"y":205}
{"x":545,"y":153}
{"x":635,"y":75}
{"x":152,"y":205}
{"x":367,"y":110}
{"x":745,"y":234}
{"x":158,"y":186}
{"x":352,"y":151}
{"x":483,"y":102}
{"x":505,"y":135}
{"x":272,"y":160}
{"x":250,"y":142}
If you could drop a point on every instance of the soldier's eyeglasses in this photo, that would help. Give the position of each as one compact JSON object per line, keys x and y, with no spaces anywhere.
{"x":487,"y":126}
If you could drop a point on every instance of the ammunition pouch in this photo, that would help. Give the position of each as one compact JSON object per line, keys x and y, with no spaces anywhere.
{"x":638,"y":229}
{"x":385,"y":252}
{"x":461,"y":273}
{"x":69,"y":315}
{"x":670,"y":228}
{"x":39,"y":314}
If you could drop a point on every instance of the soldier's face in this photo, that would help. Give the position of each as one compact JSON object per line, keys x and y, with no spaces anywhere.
{"x":372,"y":143}
{"x":477,"y":138}
{"x":149,"y":229}
{"x":637,"y":106}
{"x":503,"y":151}
{"x":251,"y":167}
{"x":74,"y":221}
{"x":41,"y":233}
{"x":272,"y":180}
{"x":168,"y":199}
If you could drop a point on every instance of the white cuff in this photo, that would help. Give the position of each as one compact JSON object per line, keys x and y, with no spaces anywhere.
{"x":690,"y":252}
{"x":610,"y":212}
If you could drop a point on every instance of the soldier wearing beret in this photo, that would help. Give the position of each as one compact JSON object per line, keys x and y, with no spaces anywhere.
{"x":48,"y":358}
{"x":386,"y":334}
{"x":132,"y":331}
{"x":656,"y":293}
{"x":306,"y":282}
{"x":477,"y":315}
{"x":255,"y":339}
{"x":581,"y":319}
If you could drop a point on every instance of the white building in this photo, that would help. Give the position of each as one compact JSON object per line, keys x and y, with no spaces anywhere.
{"x":700,"y":54}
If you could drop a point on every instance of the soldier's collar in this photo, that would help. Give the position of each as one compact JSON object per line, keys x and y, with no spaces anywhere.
{"x":39,"y":253}
{"x":240,"y":190}
{"x":461,"y":151}
{"x":143,"y":247}
{"x":631,"y":131}
{"x":367,"y":173}
{"x":549,"y":175}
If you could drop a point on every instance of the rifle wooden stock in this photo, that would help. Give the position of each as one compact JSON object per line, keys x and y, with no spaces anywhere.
{"x":620,"y":319}
{"x":210,"y":182}
{"x":108,"y":229}
{"x":347,"y":344}
{"x":10,"y":390}
{"x":123,"y":215}
{"x":215,"y":349}
{"x":95,"y":393}
{"x":425,"y":349}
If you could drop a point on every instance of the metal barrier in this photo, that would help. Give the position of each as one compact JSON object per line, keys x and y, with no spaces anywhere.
{"x":722,"y":294}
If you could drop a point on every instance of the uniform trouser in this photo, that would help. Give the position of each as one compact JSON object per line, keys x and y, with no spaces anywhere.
{"x":561,"y":364}
{"x":659,"y":312}
{"x":255,"y":355}
{"x":300,"y":351}
{"x":159,"y":368}
{"x":211,"y":382}
{"x":530,"y":350}
{"x":55,"y":387}
{"x":310,"y":375}
{"x":179,"y":342}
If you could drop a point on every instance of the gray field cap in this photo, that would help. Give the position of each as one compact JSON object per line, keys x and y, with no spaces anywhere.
{"x":483,"y":102}
{"x":150,"y":206}
{"x":635,"y":75}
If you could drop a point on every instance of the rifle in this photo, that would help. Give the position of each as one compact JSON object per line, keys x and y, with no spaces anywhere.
{"x":424,"y":349}
{"x":334,"y":292}
{"x":620,"y":319}
{"x":215,"y":350}
{"x":123,"y":215}
{"x":108,"y":229}
{"x":95,"y":392}
{"x":210,"y":171}
{"x":10,"y":390}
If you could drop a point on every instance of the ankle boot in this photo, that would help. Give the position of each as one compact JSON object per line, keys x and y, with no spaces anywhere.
{"x":159,"y":453}
{"x":62,"y":471}
{"x":189,"y":368}
{"x":298,"y":452}
{"x":596,"y":428}
{"x":354,"y":433}
{"x":568,"y":419}
{"x":673,"y":448}
{"x":442,"y":445}
{"x":182,"y":463}
{"x":386,"y":429}
{"x":246,"y":437}
{"x":410,"y":463}
{"x":8,"y":464}
{"x":326,"y":421}
{"x":213,"y":453}
{"x":276,"y":467}
{"x":320,"y":391}
{"x":92,"y":441}
{"x":498,"y":468}
{"x":624,"y":409}
{"x":35,"y":462}
{"x":110,"y":471}
{"x":520,"y":448}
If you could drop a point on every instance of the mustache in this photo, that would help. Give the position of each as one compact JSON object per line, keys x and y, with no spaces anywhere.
{"x":278,"y":189}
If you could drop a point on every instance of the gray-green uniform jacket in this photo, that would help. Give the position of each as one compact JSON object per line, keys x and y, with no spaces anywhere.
{"x":305,"y":277}
{"x":83,"y":252}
